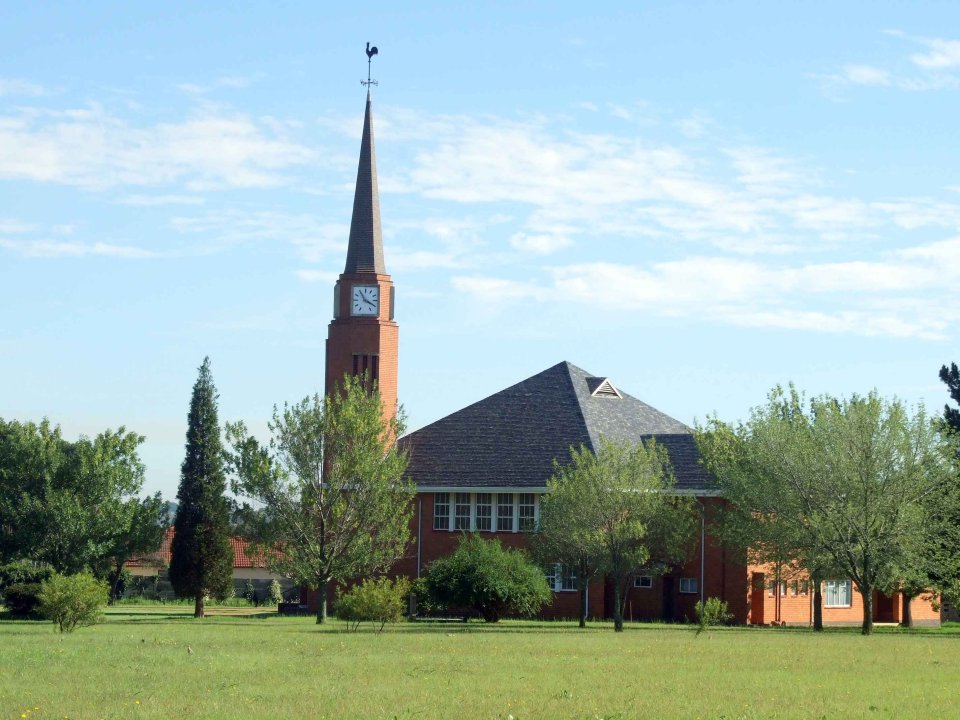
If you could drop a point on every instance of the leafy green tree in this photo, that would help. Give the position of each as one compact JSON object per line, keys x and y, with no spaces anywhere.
{"x":334,"y":504}
{"x":848,"y":483}
{"x":140,"y":527}
{"x":629,"y":518}
{"x":71,"y":601}
{"x":482,"y":578}
{"x":201,"y":562}
{"x":70,"y":504}
{"x":563,"y":536}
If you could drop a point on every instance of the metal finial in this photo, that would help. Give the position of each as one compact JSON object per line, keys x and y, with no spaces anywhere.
{"x":371,"y":51}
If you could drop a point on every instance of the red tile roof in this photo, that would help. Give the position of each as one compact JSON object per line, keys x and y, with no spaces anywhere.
{"x":241,"y":559}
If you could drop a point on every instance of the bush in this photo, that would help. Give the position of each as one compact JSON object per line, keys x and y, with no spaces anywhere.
{"x":712,"y":612}
{"x":22,"y":573}
{"x":276,"y":592}
{"x":22,"y":599}
{"x":73,"y":600}
{"x":377,"y":601}
{"x":250,"y":592}
{"x":481,"y":578}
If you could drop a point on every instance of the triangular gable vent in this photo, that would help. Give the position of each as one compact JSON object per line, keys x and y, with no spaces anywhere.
{"x":605,"y":388}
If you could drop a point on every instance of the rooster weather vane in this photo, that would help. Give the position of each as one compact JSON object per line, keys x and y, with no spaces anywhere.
{"x":371,"y":51}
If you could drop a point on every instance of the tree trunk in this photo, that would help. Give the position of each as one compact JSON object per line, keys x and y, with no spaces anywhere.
{"x":118,"y":575}
{"x":198,"y":605}
{"x":617,"y":608}
{"x":907,"y":615}
{"x":817,"y":604}
{"x":867,"y":594}
{"x":322,"y":603}
{"x":583,"y":587}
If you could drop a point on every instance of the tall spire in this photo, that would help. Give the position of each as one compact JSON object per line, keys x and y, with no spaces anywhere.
{"x":365,"y":250}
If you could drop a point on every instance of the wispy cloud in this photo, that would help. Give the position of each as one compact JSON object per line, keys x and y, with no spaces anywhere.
{"x":56,"y":249}
{"x":13,"y":86}
{"x":933,"y":69}
{"x":96,"y":150}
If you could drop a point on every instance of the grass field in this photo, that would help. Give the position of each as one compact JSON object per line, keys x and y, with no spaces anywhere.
{"x":137,"y":665}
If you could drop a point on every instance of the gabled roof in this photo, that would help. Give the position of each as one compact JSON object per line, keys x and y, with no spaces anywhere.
{"x":365,"y":248}
{"x":511,"y":438}
{"x":241,"y":559}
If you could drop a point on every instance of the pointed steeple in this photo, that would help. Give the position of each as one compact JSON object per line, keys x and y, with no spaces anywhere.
{"x":365,"y":250}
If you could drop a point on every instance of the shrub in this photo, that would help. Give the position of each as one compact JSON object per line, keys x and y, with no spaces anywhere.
{"x":250,"y":592}
{"x":21,"y":599}
{"x":20,"y":573}
{"x":276,"y":592}
{"x":481,"y":578}
{"x":712,"y":612}
{"x":377,"y":601}
{"x":73,"y":600}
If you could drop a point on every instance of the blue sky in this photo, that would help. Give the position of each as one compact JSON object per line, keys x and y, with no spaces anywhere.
{"x":699,"y":200}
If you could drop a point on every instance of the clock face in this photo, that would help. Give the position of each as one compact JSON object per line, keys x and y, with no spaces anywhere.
{"x":365,"y":300}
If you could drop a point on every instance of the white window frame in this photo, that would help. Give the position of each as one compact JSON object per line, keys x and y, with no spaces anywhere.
{"x":513,"y":514}
{"x":560,"y":577}
{"x":533,"y":518}
{"x":476,"y":511}
{"x":437,"y":517}
{"x":689,"y":582}
{"x":643,"y":582}
{"x":457,"y":497}
{"x":837,"y":584}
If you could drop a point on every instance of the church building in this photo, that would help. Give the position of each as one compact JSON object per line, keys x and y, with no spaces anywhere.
{"x":484,"y":468}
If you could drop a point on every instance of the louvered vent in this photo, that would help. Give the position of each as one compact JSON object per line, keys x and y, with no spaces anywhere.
{"x":606,"y":389}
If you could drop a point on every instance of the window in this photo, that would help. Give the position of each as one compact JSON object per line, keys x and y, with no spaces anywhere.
{"x":441,"y":511}
{"x":837,"y":593}
{"x":462,"y":511}
{"x":505,"y":512}
{"x":527,"y":507}
{"x":772,"y":588}
{"x":643,"y":581}
{"x":561,"y":578}
{"x":688,"y":585}
{"x":794,"y":588}
{"x":804,"y":587}
{"x":550,"y":570}
{"x":484,"y":511}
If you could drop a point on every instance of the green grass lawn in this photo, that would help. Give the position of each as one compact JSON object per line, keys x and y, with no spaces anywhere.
{"x":136,"y":665}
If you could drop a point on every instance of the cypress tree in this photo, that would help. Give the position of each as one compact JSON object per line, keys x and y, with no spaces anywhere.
{"x":951,"y":378}
{"x":201,"y":562}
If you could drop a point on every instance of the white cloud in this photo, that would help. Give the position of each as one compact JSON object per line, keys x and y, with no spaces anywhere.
{"x":539,"y":244}
{"x":92,"y":149}
{"x":866,"y":75}
{"x":53,"y":249}
{"x":13,"y":86}
{"x":942,"y":54}
{"x":156,"y":200}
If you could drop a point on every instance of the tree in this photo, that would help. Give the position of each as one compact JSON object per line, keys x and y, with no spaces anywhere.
{"x":201,"y":562}
{"x":563,"y":536}
{"x":847,"y":484}
{"x":71,"y":601}
{"x":334,"y":504}
{"x":951,"y":378}
{"x":140,"y":529}
{"x":629,"y":515}
{"x":70,"y":504}
{"x":482,"y":578}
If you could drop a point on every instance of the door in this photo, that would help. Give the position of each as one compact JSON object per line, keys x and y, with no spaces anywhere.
{"x":666,"y":612}
{"x":757,"y":598}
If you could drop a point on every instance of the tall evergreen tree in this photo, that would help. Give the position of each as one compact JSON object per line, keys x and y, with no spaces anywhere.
{"x":201,"y":562}
{"x":951,"y":378}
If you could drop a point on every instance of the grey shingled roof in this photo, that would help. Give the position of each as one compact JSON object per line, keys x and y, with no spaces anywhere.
{"x":365,"y":249}
{"x":511,"y":438}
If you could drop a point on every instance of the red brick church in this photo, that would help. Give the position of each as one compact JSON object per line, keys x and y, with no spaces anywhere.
{"x":484,"y":468}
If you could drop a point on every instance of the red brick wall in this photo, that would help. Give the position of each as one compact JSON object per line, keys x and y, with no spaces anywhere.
{"x":348,"y":335}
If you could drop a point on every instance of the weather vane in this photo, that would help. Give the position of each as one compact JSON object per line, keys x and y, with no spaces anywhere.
{"x":371,"y":51}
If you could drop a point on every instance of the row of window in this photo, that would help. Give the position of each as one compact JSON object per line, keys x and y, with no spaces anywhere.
{"x":485,"y":512}
{"x":562,"y":578}
{"x":836,"y":593}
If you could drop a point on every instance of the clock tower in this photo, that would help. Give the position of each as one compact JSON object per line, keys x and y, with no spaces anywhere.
{"x":363,"y":336}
